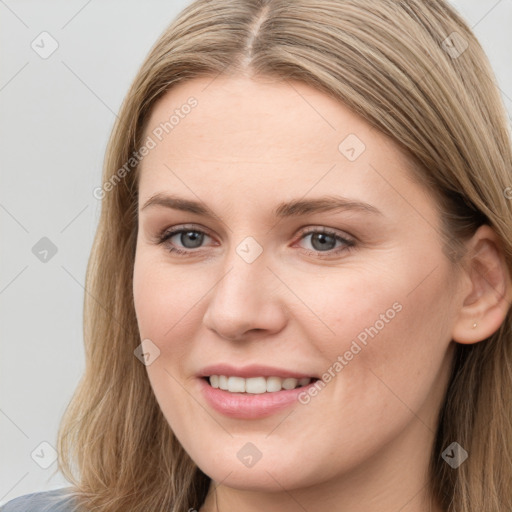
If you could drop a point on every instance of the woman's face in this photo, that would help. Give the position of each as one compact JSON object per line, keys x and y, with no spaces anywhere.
{"x":274,"y":281}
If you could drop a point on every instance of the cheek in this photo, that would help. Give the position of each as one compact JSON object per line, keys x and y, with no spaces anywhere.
{"x":351,"y":306}
{"x":164,"y":297}
{"x":164,"y":300}
{"x":390,"y":334}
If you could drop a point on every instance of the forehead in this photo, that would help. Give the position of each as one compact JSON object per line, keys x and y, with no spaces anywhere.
{"x":265,"y":135}
{"x":270,"y":116}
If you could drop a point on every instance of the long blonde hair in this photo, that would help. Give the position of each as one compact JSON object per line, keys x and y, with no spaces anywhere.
{"x":414,"y":70}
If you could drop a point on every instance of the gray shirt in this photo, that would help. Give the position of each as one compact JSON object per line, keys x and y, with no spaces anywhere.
{"x":56,"y":500}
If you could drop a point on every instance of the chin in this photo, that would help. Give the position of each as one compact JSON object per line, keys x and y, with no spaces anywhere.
{"x":261,"y":478}
{"x":270,"y":474}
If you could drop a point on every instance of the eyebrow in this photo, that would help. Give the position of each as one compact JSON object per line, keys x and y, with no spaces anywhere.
{"x":294,"y":208}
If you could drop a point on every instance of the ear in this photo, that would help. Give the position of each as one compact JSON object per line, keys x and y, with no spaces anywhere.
{"x":487,"y":288}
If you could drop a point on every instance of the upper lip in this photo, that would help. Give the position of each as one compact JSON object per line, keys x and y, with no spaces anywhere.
{"x":253,"y":370}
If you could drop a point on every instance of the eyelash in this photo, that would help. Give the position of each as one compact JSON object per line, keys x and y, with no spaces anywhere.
{"x":349,"y":243}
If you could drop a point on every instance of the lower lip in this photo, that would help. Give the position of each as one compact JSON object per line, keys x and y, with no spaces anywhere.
{"x":248,"y":405}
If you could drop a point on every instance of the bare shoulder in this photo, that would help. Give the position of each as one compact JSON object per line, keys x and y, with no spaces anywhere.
{"x":56,"y":500}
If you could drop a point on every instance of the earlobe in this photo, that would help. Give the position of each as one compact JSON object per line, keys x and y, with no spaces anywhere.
{"x":487,"y":292}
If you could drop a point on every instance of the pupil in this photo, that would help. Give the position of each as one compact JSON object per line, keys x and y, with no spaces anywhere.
{"x":321,"y":237}
{"x":194,"y":236}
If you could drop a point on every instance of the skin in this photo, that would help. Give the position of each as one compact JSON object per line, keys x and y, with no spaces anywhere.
{"x":363,"y":443}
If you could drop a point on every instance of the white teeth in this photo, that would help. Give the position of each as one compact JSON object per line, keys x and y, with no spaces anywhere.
{"x":274,"y":384}
{"x":256,"y":385}
{"x":223,"y":382}
{"x":236,"y":384}
{"x":289,"y":383}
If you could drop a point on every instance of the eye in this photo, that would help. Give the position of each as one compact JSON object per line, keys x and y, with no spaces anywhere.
{"x":189,"y":238}
{"x":324,"y":240}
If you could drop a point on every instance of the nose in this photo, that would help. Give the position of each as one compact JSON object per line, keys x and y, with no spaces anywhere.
{"x":246,"y":300}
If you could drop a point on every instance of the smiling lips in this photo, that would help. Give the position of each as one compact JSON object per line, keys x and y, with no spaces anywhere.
{"x":256,"y":385}
{"x":253,"y":391}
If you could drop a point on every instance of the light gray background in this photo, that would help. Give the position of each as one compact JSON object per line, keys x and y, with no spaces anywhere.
{"x":56,"y":116}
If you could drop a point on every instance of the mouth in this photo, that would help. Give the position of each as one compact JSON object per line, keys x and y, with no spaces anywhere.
{"x":256,"y":385}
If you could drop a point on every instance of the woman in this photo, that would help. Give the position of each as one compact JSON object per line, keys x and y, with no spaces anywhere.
{"x":299,"y":291}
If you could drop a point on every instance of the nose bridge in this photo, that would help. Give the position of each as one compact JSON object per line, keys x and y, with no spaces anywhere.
{"x":245,"y":264}
{"x":242,"y":299}
{"x":245,"y":274}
